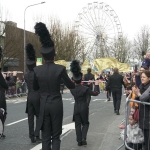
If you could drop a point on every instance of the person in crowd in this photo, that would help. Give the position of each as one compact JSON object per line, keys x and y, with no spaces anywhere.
{"x":23,"y":85}
{"x":115,"y":82}
{"x":33,"y":97}
{"x":138,"y":75}
{"x":142,"y":94}
{"x":146,"y":61}
{"x":108,"y":92}
{"x":62,"y":86}
{"x":18,"y":86}
{"x":135,"y":136}
{"x":47,"y":79}
{"x":81,"y":107}
{"x":87,"y":77}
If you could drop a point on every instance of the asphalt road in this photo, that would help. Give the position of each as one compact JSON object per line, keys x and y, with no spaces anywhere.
{"x":103,"y":132}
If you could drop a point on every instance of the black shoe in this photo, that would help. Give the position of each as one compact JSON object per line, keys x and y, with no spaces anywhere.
{"x":33,"y":140}
{"x":117,"y":112}
{"x":79,"y":143}
{"x":2,"y":136}
{"x":38,"y":140}
{"x":84,"y":142}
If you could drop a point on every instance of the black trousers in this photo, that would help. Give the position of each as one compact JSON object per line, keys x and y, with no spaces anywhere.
{"x":81,"y":121}
{"x":52,"y":126}
{"x":137,"y":146}
{"x":33,"y":110}
{"x":116,"y":94}
{"x":108,"y":94}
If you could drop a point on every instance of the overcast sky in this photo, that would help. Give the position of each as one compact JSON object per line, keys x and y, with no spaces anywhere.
{"x":133,"y":14}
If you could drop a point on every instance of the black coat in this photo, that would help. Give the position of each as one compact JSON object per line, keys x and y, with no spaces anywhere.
{"x":87,"y":77}
{"x":81,"y":95}
{"x":144,"y":110}
{"x":115,"y":81}
{"x":33,"y":95}
{"x":3,"y":88}
{"x":47,"y":80}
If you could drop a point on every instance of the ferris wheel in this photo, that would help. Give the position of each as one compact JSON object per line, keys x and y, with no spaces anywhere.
{"x":99,"y":26}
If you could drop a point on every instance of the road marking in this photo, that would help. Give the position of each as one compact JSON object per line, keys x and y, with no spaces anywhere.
{"x":72,"y":102}
{"x":16,"y":122}
{"x":108,"y":101}
{"x":66,"y":129}
{"x":98,"y":100}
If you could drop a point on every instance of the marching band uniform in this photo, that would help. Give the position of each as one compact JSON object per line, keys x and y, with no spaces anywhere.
{"x":81,"y":95}
{"x":33,"y":98}
{"x":3,"y":87}
{"x":47,"y":80}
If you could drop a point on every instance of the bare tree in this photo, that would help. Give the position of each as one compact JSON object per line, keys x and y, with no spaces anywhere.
{"x":142,"y":41}
{"x":121,"y":49}
{"x":68,"y":44}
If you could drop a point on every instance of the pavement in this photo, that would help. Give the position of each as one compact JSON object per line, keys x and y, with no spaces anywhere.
{"x":103,"y":132}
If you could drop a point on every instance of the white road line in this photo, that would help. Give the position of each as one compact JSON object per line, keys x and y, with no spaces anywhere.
{"x":98,"y":100}
{"x":108,"y":101}
{"x":66,"y":128}
{"x":72,"y":103}
{"x":16,"y":122}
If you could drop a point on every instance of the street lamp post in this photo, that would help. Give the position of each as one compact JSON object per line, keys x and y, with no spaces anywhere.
{"x":25,"y":35}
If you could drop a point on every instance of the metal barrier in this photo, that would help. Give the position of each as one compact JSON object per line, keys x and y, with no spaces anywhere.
{"x":14,"y":91}
{"x":127,"y":110}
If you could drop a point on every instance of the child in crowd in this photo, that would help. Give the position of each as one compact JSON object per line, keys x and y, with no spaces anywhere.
{"x":135,"y":136}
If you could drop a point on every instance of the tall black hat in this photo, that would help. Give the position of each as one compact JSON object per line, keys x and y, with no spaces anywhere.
{"x":47,"y":51}
{"x":0,"y":53}
{"x":31,"y":58}
{"x":76,"y":71}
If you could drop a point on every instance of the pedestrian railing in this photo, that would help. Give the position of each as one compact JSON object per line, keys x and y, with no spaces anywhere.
{"x":134,"y":137}
{"x":14,"y":91}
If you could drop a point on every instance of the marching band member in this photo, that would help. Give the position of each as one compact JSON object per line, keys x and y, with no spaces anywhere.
{"x":81,"y":95}
{"x":47,"y":79}
{"x":33,"y":97}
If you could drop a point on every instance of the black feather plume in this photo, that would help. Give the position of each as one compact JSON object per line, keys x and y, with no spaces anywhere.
{"x":30,"y":52}
{"x":75,"y":68}
{"x":43,"y":33}
{"x":0,"y":53}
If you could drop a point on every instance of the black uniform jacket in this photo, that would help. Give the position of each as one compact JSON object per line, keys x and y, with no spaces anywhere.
{"x":33,"y":95}
{"x":115,"y":81}
{"x":87,"y":77}
{"x":3,"y":87}
{"x":81,"y":95}
{"x":47,"y":79}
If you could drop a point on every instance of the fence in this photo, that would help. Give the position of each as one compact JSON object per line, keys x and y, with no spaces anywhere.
{"x":16,"y":91}
{"x":134,"y":145}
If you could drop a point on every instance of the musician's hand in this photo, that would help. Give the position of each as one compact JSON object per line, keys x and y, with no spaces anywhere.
{"x":14,"y":73}
{"x":89,"y":82}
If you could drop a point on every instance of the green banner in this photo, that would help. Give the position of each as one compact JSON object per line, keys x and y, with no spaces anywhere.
{"x":39,"y":61}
